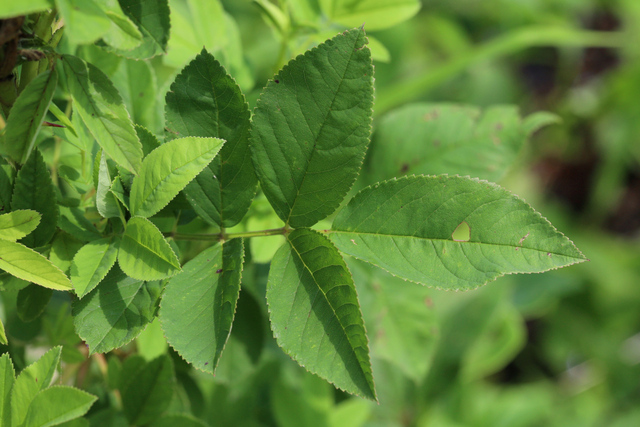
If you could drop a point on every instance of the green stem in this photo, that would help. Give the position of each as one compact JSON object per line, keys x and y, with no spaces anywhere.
{"x":214,"y":237}
{"x":512,"y":42}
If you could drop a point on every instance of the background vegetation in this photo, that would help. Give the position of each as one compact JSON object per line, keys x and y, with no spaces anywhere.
{"x":561,"y":348}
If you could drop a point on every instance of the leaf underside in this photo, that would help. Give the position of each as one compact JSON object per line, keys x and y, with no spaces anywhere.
{"x":405,"y":226}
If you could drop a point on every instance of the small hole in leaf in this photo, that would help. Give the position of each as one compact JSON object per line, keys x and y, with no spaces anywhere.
{"x":462,"y":233}
{"x":277,"y":81}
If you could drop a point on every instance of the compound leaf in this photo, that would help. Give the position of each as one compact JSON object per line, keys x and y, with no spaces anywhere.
{"x":311,"y":128}
{"x":199,"y":304}
{"x":144,"y":253}
{"x":17,"y":224}
{"x":405,"y":226}
{"x":92,"y":263}
{"x":167,"y":170}
{"x":116,"y":311}
{"x":315,"y":315}
{"x":29,"y":265}
{"x":103,"y":112}
{"x":205,"y":101}
{"x":27,"y":115}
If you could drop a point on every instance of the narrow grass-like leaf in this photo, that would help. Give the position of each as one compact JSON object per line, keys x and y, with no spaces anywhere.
{"x":30,"y":382}
{"x":148,"y":395}
{"x":29,"y":265}
{"x":106,"y":201}
{"x":33,"y":189}
{"x":56,"y":405}
{"x":199,"y":304}
{"x":17,"y":224}
{"x":7,"y":378}
{"x":144,"y":253}
{"x":405,"y":226}
{"x":311,"y":128}
{"x":167,"y":170}
{"x":205,"y":101}
{"x":27,"y":115}
{"x":433,"y":139}
{"x":315,"y":315}
{"x":92,"y":263}
{"x":116,"y":311}
{"x":152,"y":19}
{"x":374,"y":14}
{"x":32,"y":301}
{"x":102,"y":110}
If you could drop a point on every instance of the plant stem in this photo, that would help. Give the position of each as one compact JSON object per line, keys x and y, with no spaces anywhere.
{"x":214,"y":237}
{"x":509,"y":43}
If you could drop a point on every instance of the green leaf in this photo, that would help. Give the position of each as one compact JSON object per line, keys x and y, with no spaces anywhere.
{"x":144,"y":254}
{"x":73,"y":221}
{"x":373,"y":14}
{"x":92,"y":263}
{"x":405,"y":226}
{"x":7,"y":175}
{"x":136,"y":82}
{"x":103,"y":112}
{"x":33,"y":189}
{"x":56,"y":405}
{"x":27,"y":115}
{"x":199,"y":304}
{"x":311,"y":128}
{"x":3,"y":340}
{"x":123,"y":33}
{"x":118,"y":190}
{"x":167,"y":170}
{"x":182,"y":420}
{"x":29,"y":265}
{"x":32,"y":301}
{"x":84,"y":21}
{"x":152,"y":19}
{"x":30,"y":382}
{"x":17,"y":224}
{"x":433,"y":139}
{"x":7,"y":378}
{"x":63,"y":249}
{"x":106,"y":201}
{"x":205,"y":101}
{"x":116,"y":311}
{"x":315,"y":315}
{"x":147,"y":139}
{"x":147,"y":396}
{"x":10,"y":9}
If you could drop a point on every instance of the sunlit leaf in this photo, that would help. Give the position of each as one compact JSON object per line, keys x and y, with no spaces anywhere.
{"x":56,"y":405}
{"x":374,"y":14}
{"x":92,"y":263}
{"x":29,"y":265}
{"x":152,"y":19}
{"x":10,"y":9}
{"x":17,"y":224}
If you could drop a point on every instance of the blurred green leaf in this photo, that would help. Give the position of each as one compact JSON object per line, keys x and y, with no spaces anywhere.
{"x":153,"y":22}
{"x":56,"y":405}
{"x":32,"y":301}
{"x":10,"y":9}
{"x":146,"y":397}
{"x":373,"y":14}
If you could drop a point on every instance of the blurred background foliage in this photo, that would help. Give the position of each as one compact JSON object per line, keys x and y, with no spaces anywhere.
{"x":556,"y":349}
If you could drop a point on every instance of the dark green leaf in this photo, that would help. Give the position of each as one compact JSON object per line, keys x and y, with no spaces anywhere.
{"x":92,"y":263}
{"x":63,"y":249}
{"x":7,"y":174}
{"x":103,"y":112}
{"x":311,"y":128}
{"x":144,"y":253}
{"x":32,"y":301}
{"x":147,"y":396}
{"x":315,"y":315}
{"x":7,"y":378}
{"x":199,"y":304}
{"x":106,"y":201}
{"x":57,"y":405}
{"x":15,"y":225}
{"x":27,"y":115}
{"x":147,"y":139}
{"x":182,"y":420}
{"x":73,"y":221}
{"x":205,"y":101}
{"x":405,"y":226}
{"x":33,"y":189}
{"x":116,"y":311}
{"x":152,"y":19}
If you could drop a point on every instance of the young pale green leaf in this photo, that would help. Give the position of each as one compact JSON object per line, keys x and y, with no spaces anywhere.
{"x":311,"y":128}
{"x":116,"y":311}
{"x":205,"y":101}
{"x":84,"y":21}
{"x":167,"y":170}
{"x":433,"y":139}
{"x":152,"y":20}
{"x":199,"y":304}
{"x":29,"y":265}
{"x":144,"y":253}
{"x":33,"y":379}
{"x":32,"y":301}
{"x":17,"y":224}
{"x":315,"y":315}
{"x":56,"y":405}
{"x":149,"y":392}
{"x":27,"y":115}
{"x":123,"y":33}
{"x":33,"y":189}
{"x":374,"y":14}
{"x":106,"y":201}
{"x":103,"y":112}
{"x":7,"y":378}
{"x":10,"y":9}
{"x":405,"y":226}
{"x":92,"y":263}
